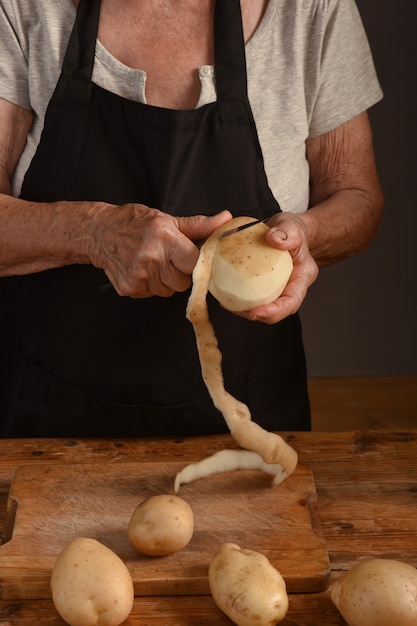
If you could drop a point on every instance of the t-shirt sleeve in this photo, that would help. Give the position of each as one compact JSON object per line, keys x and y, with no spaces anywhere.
{"x":13,"y":58}
{"x":342,"y":80}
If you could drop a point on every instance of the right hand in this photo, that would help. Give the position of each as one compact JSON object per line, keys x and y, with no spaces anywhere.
{"x":145,"y":252}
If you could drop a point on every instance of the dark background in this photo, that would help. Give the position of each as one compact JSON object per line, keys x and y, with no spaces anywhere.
{"x":360,"y":317}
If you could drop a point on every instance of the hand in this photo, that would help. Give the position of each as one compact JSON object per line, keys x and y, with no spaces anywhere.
{"x":145,"y":252}
{"x":288,"y":231}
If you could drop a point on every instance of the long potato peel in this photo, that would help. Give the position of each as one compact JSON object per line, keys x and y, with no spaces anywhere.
{"x":271,"y":447}
{"x":228,"y":461}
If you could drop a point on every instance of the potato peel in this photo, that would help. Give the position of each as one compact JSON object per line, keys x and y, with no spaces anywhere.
{"x":271,"y":447}
{"x":228,"y":461}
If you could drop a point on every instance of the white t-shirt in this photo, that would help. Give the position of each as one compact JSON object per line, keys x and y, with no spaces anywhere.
{"x":309,"y":71}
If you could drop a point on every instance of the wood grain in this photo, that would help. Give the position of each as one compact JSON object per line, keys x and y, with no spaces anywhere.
{"x":349,"y":403}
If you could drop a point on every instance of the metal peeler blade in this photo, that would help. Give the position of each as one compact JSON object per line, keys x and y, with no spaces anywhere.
{"x":232,"y":231}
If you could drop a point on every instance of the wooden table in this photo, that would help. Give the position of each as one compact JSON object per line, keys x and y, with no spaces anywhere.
{"x":367,"y":494}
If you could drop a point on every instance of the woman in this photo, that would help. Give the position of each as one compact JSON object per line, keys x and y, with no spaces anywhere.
{"x":177,"y":107}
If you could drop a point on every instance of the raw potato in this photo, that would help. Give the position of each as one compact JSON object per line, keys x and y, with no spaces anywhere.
{"x":91,"y":585}
{"x":161,"y":525}
{"x":377,"y":592}
{"x":246,"y":587}
{"x":246,"y":270}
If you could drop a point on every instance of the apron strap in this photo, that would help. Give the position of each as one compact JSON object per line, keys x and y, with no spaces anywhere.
{"x":229,"y":51}
{"x":79,"y":57}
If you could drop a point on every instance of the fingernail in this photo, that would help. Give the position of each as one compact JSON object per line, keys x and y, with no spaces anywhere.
{"x":278,"y":235}
{"x":257,"y":318}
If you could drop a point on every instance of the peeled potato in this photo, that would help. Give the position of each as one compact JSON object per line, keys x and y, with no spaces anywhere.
{"x":246,"y":270}
{"x":161,"y":525}
{"x":91,"y":585}
{"x":246,"y":587}
{"x":377,"y":592}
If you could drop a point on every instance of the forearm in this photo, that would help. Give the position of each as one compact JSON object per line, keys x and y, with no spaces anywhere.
{"x":40,"y":236}
{"x":143,"y":251}
{"x":345,"y":194}
{"x":342,"y":225}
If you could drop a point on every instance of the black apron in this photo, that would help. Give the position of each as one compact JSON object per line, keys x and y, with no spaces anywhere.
{"x":79,"y":360}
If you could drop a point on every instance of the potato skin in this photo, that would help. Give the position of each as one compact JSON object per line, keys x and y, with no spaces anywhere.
{"x":91,"y":585}
{"x":161,"y":525}
{"x":246,"y":587}
{"x":377,"y":592}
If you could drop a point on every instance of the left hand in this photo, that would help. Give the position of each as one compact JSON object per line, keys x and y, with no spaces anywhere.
{"x":345,"y":210}
{"x":288,"y":231}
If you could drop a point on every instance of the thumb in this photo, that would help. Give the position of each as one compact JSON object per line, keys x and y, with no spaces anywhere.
{"x":199,"y":227}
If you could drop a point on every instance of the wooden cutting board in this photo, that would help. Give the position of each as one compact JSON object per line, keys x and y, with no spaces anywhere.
{"x":49,"y":505}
